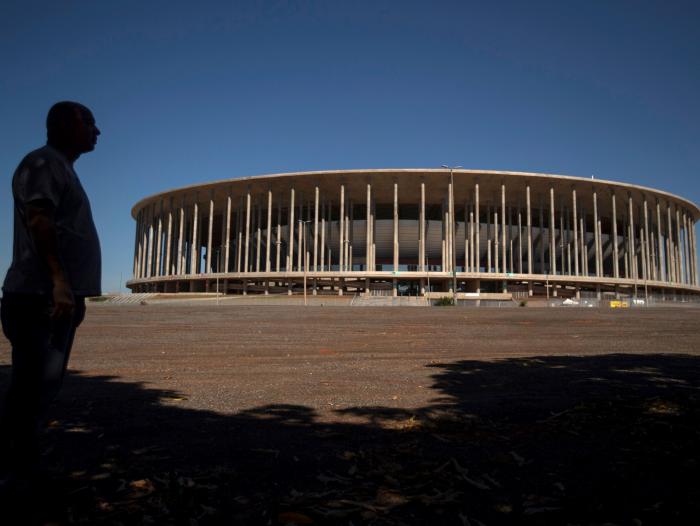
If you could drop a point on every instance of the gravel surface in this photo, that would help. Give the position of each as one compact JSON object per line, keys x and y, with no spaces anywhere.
{"x":200,"y":413}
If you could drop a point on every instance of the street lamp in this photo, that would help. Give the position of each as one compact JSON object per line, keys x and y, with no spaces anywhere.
{"x":302,"y":224}
{"x":452,"y":223}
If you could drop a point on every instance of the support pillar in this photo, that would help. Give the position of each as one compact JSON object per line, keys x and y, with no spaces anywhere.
{"x":596,"y":233}
{"x":290,"y":255}
{"x":316,"y":199}
{"x":246,"y":268}
{"x":552,"y":234}
{"x":268,"y":233}
{"x":396,"y":231}
{"x":341,"y":231}
{"x":529,"y":232}
{"x":194,"y":251}
{"x":210,"y":232}
{"x":180,"y":238}
{"x":169,"y":238}
{"x":504,"y":247}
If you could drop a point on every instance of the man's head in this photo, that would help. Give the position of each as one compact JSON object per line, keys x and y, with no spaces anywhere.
{"x":70,"y":127}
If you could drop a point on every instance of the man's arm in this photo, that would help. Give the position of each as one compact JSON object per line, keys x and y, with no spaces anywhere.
{"x":42,"y":228}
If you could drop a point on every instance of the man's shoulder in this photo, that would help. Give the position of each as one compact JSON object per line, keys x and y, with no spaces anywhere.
{"x":41,"y":157}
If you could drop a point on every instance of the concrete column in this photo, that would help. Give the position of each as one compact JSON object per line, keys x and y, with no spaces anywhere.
{"x":368,"y":254}
{"x":562,"y":261}
{"x":496,"y":267}
{"x":323,"y":234}
{"x":472,"y":241}
{"x":678,"y":252}
{"x":467,"y":228}
{"x":552,"y":233}
{"x":396,"y":229}
{"x":142,"y":243}
{"x":159,"y":241}
{"x":239,"y":234}
{"x":227,"y":241}
{"x":136,"y":270}
{"x":210,"y":232}
{"x":300,"y":231}
{"x":659,"y":240}
{"x":268,"y":233}
{"x":316,"y":199}
{"x":258,"y":235}
{"x":220,"y":263}
{"x":443,"y":225}
{"x":647,"y":260}
{"x":695,"y":251}
{"x":290,"y":255}
{"x":520,"y":237}
{"x":477,"y":228}
{"x":616,"y":257}
{"x":652,"y":249}
{"x":686,"y":251}
{"x":568,"y":241}
{"x":509,"y":213}
{"x":597,"y":237}
{"x":151,"y":234}
{"x":341,"y":230}
{"x":246,"y":251}
{"x":643,"y":252}
{"x":542,"y":267}
{"x":169,"y":238}
{"x":504,"y":264}
{"x":194,"y":251}
{"x":669,"y":245}
{"x":374,"y":236}
{"x":181,"y":237}
{"x":528,"y":216}
{"x":278,"y":237}
{"x":632,"y":244}
{"x":575,"y":222}
{"x":451,"y":224}
{"x":584,"y":245}
{"x":350,"y":232}
{"x":421,"y":228}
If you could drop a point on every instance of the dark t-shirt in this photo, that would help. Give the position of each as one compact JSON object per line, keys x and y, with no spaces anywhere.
{"x":46,"y":175}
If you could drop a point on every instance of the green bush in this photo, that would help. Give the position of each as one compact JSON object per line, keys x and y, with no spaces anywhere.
{"x":523,"y":303}
{"x":444,"y":302}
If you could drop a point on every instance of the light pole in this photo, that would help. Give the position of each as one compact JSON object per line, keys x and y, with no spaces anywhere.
{"x":452,"y":225}
{"x":306,"y":255}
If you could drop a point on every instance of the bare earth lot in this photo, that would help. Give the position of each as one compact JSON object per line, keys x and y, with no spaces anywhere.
{"x":195,"y":415}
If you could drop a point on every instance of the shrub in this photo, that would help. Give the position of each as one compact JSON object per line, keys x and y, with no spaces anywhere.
{"x":523,"y":303}
{"x":445,"y":302}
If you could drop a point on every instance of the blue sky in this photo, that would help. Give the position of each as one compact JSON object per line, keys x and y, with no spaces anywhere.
{"x":186,"y":92}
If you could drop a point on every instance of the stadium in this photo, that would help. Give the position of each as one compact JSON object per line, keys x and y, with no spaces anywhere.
{"x":468,"y":234}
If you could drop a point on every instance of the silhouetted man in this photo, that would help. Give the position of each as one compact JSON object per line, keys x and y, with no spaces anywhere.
{"x":56,"y":264}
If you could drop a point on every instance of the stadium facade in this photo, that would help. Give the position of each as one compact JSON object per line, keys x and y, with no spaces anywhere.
{"x":417,"y":232}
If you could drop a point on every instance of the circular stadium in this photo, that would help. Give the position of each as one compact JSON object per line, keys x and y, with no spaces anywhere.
{"x":469,"y":234}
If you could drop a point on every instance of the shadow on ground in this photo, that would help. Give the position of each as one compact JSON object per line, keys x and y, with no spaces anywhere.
{"x":552,"y":440}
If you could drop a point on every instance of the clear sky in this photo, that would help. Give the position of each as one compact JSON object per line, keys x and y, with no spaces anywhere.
{"x":186,"y":92}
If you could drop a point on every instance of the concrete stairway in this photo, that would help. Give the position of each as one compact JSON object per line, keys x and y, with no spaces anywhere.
{"x":388,"y":301}
{"x":129,"y":299}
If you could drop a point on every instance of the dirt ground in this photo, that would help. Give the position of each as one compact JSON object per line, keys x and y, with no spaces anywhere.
{"x":200,"y":414}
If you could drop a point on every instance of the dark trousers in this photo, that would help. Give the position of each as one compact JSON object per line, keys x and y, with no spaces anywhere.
{"x":40,"y":351}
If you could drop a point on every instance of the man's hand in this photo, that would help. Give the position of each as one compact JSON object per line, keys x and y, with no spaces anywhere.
{"x":63,"y":301}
